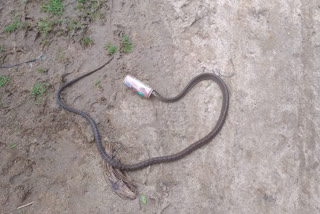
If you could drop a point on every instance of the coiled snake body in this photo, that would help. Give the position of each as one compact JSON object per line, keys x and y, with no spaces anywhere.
{"x":161,"y":159}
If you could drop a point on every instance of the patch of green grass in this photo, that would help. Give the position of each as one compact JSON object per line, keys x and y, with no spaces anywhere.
{"x":80,"y":5}
{"x":59,"y":32}
{"x":61,"y":57}
{"x":44,"y":42}
{"x":143,"y":198}
{"x":90,"y":9}
{"x":73,"y":24}
{"x":110,"y":48}
{"x":53,"y":6}
{"x":12,"y":145}
{"x":3,"y":80}
{"x":78,"y":24}
{"x":38,"y":90}
{"x":15,"y":25}
{"x":26,"y":26}
{"x":86,"y":41}
{"x":21,"y":211}
{"x":46,"y":25}
{"x":97,"y":85}
{"x":41,"y":70}
{"x":126,"y":45}
{"x":95,"y":15}
{"x":70,"y":25}
{"x":13,"y":12}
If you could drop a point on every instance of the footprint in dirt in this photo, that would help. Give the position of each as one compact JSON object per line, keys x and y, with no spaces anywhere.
{"x":15,"y":175}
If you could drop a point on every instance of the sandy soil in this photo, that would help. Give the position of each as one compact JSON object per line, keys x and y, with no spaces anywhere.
{"x":266,"y":158}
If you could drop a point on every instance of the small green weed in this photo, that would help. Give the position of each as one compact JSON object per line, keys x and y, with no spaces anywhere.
{"x":80,"y":5}
{"x":3,"y":80}
{"x":126,"y":45}
{"x":91,"y":9}
{"x":97,"y":85}
{"x":1,"y":48}
{"x":53,"y":6}
{"x":73,"y":25}
{"x":95,"y":6}
{"x":143,"y":198}
{"x":26,"y":26}
{"x":44,"y":42}
{"x":110,"y":48}
{"x":41,"y":70}
{"x":70,"y":26}
{"x":61,"y":57}
{"x":15,"y":25}
{"x":86,"y":41}
{"x":46,"y":25}
{"x":13,"y":12}
{"x":209,"y":84}
{"x":21,"y":212}
{"x":12,"y":145}
{"x":59,"y":32}
{"x":38,"y":90}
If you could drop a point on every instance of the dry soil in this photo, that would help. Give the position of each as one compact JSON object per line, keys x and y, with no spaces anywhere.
{"x":265,"y":159}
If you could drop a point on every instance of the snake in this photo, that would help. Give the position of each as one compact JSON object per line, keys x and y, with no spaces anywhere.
{"x":161,"y":159}
{"x":18,"y":64}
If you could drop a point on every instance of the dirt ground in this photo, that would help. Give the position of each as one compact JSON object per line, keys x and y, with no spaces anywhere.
{"x":265,"y":159}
